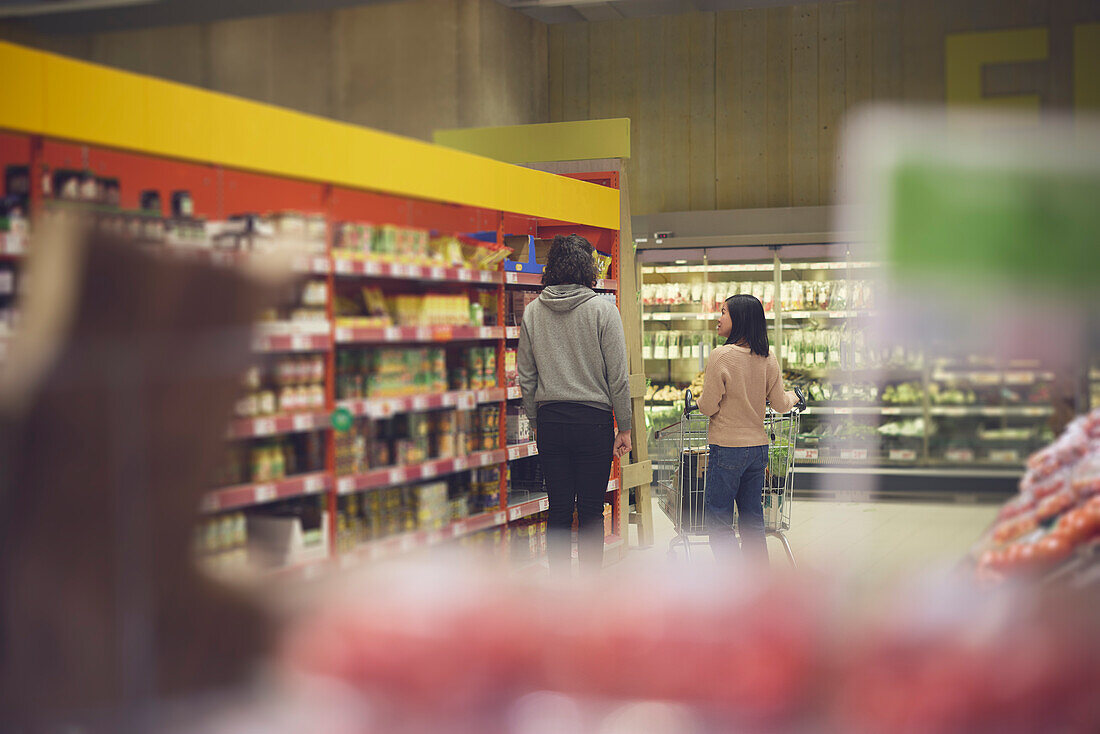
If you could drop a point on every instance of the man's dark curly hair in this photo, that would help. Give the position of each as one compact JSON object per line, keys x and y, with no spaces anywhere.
{"x":570,"y":261}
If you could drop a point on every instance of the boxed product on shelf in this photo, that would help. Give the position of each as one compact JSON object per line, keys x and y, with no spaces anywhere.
{"x":511,"y":370}
{"x":288,"y":534}
{"x":519,"y":427}
{"x":516,"y":302}
{"x":527,"y":541}
{"x":221,"y":543}
{"x":390,"y":372}
{"x":433,"y":509}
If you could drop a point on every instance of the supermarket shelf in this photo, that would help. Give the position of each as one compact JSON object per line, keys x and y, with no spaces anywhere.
{"x":756,"y":267}
{"x":396,"y":475}
{"x":351,"y":266}
{"x":923,"y":471}
{"x":406,"y":542}
{"x":307,"y":264}
{"x":522,"y":450}
{"x":992,"y":377}
{"x":864,"y":410}
{"x":385,"y":407}
{"x":13,"y":245}
{"x":291,"y":342}
{"x":528,"y":507}
{"x":535,"y":280}
{"x":246,"y":495}
{"x":273,"y":425}
{"x":1024,"y":411}
{"x":695,"y":316}
{"x":415,"y":334}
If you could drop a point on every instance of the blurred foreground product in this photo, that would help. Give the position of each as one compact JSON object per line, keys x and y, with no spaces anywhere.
{"x":1055,"y":519}
{"x":450,"y":649}
{"x":106,"y":444}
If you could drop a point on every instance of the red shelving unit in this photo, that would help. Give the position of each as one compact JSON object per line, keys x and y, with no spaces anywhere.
{"x":218,"y":192}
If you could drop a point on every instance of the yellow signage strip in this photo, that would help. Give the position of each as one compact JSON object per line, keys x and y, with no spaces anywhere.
{"x":73,"y":100}
{"x":555,"y":141}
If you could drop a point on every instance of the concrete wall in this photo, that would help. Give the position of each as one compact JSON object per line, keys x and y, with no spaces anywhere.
{"x":408,"y":67}
{"x":742,"y":109}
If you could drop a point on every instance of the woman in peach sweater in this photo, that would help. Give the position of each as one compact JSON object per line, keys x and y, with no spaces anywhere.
{"x":740,"y":376}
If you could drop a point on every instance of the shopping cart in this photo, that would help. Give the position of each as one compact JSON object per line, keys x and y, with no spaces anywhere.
{"x":680,"y":472}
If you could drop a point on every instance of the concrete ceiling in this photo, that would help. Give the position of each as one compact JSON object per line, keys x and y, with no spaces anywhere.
{"x":576,"y":11}
{"x":97,"y":16}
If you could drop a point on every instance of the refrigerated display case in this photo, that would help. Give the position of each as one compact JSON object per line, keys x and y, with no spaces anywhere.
{"x":917,"y":414}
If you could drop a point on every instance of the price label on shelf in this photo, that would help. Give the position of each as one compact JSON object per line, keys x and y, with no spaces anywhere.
{"x":312,"y":485}
{"x":458,"y":528}
{"x":345,"y":485}
{"x":344,"y":267}
{"x":1035,"y":411}
{"x":466,"y":401}
{"x":806,"y":454}
{"x":514,"y":393}
{"x":392,"y":333}
{"x":486,"y":332}
{"x":303,"y":422}
{"x":437,"y":273}
{"x":513,"y":454}
{"x":544,"y":504}
{"x":449,"y":399}
{"x":486,"y":458}
{"x":533,"y":450}
{"x":1005,"y":456}
{"x":891,"y":411}
{"x":511,"y":278}
{"x":397,"y":476}
{"x":372,"y":268}
{"x":428,"y":471}
{"x":414,"y":271}
{"x":960,"y":455}
{"x":320,"y":265}
{"x":435,"y":537}
{"x":498,"y":519}
{"x":420,"y":403}
{"x":838,"y":314}
{"x":515,"y":513}
{"x":299,"y":343}
{"x":343,"y":334}
{"x":487,"y":276}
{"x":461,"y":463}
{"x":903,"y":455}
{"x":265,"y":493}
{"x":842,"y":411}
{"x":423,"y":333}
{"x":465,"y":275}
{"x":263,"y":427}
{"x":853,"y":454}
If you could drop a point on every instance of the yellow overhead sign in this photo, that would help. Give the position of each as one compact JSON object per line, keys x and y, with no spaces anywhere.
{"x":62,"y":98}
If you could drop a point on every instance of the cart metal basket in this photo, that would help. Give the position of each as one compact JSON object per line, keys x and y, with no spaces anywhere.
{"x":680,"y":472}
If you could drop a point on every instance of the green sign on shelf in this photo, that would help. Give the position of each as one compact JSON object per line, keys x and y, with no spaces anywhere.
{"x":342,"y":419}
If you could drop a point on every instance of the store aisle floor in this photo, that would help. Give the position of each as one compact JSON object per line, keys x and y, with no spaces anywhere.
{"x":871,"y":541}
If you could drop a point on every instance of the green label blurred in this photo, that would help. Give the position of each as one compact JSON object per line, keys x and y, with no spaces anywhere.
{"x":1037,"y":230}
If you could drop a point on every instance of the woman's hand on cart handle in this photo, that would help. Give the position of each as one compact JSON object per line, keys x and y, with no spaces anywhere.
{"x":689,"y":402}
{"x":801,"y":404}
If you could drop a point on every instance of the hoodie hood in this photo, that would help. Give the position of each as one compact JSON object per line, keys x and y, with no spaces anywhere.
{"x":565,"y":297}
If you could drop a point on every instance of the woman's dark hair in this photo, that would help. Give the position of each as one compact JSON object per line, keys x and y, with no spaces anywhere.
{"x":747,"y":323}
{"x":570,"y":261}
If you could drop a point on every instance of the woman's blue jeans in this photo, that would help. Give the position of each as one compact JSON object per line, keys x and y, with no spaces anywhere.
{"x":735,"y":476}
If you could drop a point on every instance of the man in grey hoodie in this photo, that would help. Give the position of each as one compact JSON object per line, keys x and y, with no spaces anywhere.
{"x":572,"y":368}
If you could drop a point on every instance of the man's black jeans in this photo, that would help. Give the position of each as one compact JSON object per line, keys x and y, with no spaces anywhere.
{"x":576,"y":460}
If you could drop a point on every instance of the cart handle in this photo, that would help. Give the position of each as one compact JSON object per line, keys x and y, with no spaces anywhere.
{"x":801,"y":404}
{"x":689,"y":402}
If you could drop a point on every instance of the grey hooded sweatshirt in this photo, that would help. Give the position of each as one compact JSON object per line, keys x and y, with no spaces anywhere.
{"x":572,"y":349}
